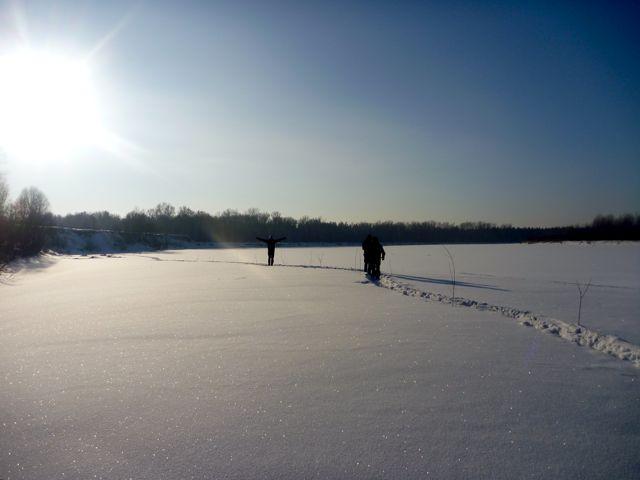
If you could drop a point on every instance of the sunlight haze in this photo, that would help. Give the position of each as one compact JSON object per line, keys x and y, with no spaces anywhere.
{"x":522,"y":113}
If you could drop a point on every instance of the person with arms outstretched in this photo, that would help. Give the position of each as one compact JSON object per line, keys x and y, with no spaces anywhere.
{"x":271,"y":246}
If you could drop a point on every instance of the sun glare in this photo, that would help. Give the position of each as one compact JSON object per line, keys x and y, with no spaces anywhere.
{"x":47,"y":107}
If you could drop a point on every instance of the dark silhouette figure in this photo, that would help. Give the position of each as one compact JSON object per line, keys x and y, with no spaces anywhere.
{"x":373,"y":254}
{"x":271,"y":246}
{"x":366,"y":247}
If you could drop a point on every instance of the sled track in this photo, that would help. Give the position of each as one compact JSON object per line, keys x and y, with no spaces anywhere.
{"x":609,"y":344}
{"x":580,"y":335}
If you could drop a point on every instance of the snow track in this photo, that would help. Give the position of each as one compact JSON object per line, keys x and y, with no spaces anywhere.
{"x":609,"y":344}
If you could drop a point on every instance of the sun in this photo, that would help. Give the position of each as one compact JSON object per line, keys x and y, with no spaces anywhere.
{"x":48,"y":109}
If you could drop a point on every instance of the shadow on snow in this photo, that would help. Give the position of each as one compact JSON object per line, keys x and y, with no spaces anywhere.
{"x":441,"y":281}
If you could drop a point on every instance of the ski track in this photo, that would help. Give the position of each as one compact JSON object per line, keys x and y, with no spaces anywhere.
{"x":609,"y":344}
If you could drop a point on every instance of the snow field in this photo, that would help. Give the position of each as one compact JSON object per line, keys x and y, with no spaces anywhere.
{"x":530,"y":283}
{"x":176,"y":365}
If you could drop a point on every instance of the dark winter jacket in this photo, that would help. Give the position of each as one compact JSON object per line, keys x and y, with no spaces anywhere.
{"x":271,"y":243}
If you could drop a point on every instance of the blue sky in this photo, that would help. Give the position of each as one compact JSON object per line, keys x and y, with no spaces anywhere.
{"x":509,"y":112}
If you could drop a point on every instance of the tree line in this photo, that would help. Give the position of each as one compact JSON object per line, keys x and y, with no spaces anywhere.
{"x":24,"y":222}
{"x":242,"y":227}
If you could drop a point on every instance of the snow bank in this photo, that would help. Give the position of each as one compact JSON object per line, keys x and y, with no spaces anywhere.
{"x":609,"y":344}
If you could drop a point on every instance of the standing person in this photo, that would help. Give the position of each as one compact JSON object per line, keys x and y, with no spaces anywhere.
{"x":366,"y":247}
{"x":271,"y":246}
{"x":376,"y":255}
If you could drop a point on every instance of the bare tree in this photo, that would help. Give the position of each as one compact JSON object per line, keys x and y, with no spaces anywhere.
{"x":452,"y":272}
{"x":582,"y":291}
{"x":31,"y":206}
{"x":4,"y":222}
{"x":4,"y":197}
{"x":163,"y":209}
{"x":28,"y":213}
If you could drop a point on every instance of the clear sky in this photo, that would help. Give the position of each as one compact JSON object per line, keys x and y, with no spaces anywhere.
{"x":509,"y":112}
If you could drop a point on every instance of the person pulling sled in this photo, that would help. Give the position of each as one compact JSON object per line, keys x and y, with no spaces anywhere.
{"x":373,"y":254}
{"x":366,"y":247}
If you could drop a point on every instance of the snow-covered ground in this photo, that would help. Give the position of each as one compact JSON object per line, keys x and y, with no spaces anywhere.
{"x":201,"y":364}
{"x":540,"y":278}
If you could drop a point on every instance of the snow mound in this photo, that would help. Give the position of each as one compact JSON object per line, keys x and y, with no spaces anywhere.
{"x":580,"y":335}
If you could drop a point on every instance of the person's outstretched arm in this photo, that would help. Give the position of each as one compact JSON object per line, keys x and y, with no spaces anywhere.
{"x":280,"y":239}
{"x":262,"y":239}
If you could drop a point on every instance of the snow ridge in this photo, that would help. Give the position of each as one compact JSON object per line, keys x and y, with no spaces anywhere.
{"x":580,"y":335}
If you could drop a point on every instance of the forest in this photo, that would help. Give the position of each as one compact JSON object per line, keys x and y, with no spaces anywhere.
{"x":25,"y":223}
{"x":242,"y":227}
